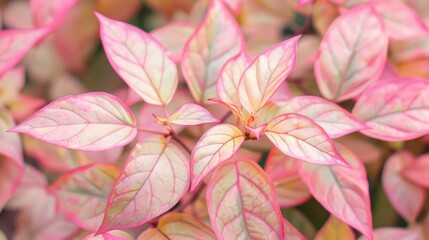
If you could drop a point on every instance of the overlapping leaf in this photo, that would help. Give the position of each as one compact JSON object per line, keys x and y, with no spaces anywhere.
{"x":154,"y":178}
{"x":265,"y":74}
{"x":174,"y":37}
{"x":352,"y":54}
{"x":342,"y":191}
{"x":218,"y":144}
{"x":395,"y":110}
{"x":93,"y":121}
{"x":332,"y":118}
{"x":11,"y":159}
{"x":50,"y":12}
{"x":334,"y":229}
{"x":299,"y":137}
{"x":216,"y":40}
{"x":14,"y":44}
{"x":83,"y":193}
{"x":229,"y":78}
{"x":418,"y":171}
{"x":178,"y":226}
{"x":242,"y":203}
{"x":406,"y":197}
{"x":192,"y":114}
{"x":283,"y":170}
{"x":140,"y":60}
{"x":401,"y":21}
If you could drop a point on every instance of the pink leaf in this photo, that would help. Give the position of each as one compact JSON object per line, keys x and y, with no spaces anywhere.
{"x":336,"y":121}
{"x":178,"y":226}
{"x":291,"y":232}
{"x":218,"y":144}
{"x":265,"y":74}
{"x":387,"y":105}
{"x":389,"y":233}
{"x":303,"y":2}
{"x":283,"y":170}
{"x":42,"y":221}
{"x":111,"y":235}
{"x":256,"y":132}
{"x":216,"y":40}
{"x":299,"y":137}
{"x":192,"y":114}
{"x":11,"y":159}
{"x":50,"y":12}
{"x":242,"y":203}
{"x":92,"y":122}
{"x":352,"y":54}
{"x":82,"y":193}
{"x":342,"y":191}
{"x":140,"y":60}
{"x":173,"y":37}
{"x":401,"y":22}
{"x":24,"y":105}
{"x":11,"y":84}
{"x":14,"y":44}
{"x":410,"y":49}
{"x":138,"y":196}
{"x":418,"y":171}
{"x":406,"y":197}
{"x":335,"y":229}
{"x":33,"y":182}
{"x":229,"y":78}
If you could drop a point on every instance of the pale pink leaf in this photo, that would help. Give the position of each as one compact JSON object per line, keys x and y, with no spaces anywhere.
{"x":82,"y":193}
{"x":25,"y":105}
{"x":178,"y":226}
{"x":218,"y":144}
{"x":401,"y":21}
{"x":406,"y":197}
{"x":283,"y":170}
{"x":173,"y":37}
{"x":11,"y":83}
{"x":33,"y":182}
{"x":299,"y":137}
{"x":256,"y":132}
{"x":389,"y":233}
{"x":140,"y":60}
{"x":17,"y":15}
{"x":418,"y":171}
{"x":192,"y":114}
{"x":111,"y":235}
{"x":152,"y":234}
{"x":335,"y":229}
{"x":229,"y":78}
{"x":11,"y":159}
{"x":291,"y":232}
{"x":395,"y":110}
{"x":93,"y":122}
{"x":352,"y":54}
{"x":50,"y":12}
{"x":41,"y":220}
{"x":215,"y":41}
{"x":14,"y":44}
{"x":138,"y":196}
{"x":242,"y":203}
{"x":266,"y":73}
{"x":410,"y":49}
{"x":336,"y":121}
{"x":303,"y":2}
{"x":342,"y":191}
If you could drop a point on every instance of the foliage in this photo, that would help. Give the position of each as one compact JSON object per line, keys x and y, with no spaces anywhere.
{"x":229,"y":120}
